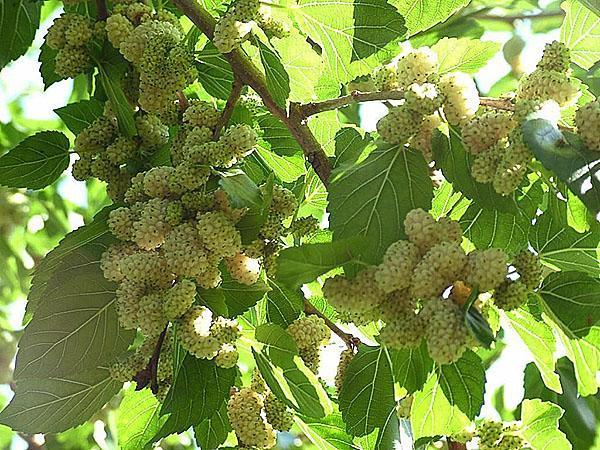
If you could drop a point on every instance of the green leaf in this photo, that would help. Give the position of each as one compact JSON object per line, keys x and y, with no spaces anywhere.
{"x":199,"y":389}
{"x":302,"y":264}
{"x":580,"y":419}
{"x":232,"y":298}
{"x":110,"y":79}
{"x":464,"y":55}
{"x":367,"y":394}
{"x":19,"y":20}
{"x":463,"y":383}
{"x":540,"y":341}
{"x":277,"y":134}
{"x":243,"y":192}
{"x":333,"y":27}
{"x":423,"y":14}
{"x":76,"y":327}
{"x":592,"y":5}
{"x":304,"y":386}
{"x":540,"y":425}
{"x":455,"y":163}
{"x":78,"y":116}
{"x":580,"y":32}
{"x":372,"y":198}
{"x":561,"y":247}
{"x":212,"y":432}
{"x":349,"y":146}
{"x":432,"y":414}
{"x":36,"y":162}
{"x":138,"y":419}
{"x":327,"y":433}
{"x":285,"y":168}
{"x":284,"y":305}
{"x":47,"y":61}
{"x":302,"y":63}
{"x":217,"y":77}
{"x":566,"y":156}
{"x":55,"y":404}
{"x":479,"y":327}
{"x":278,"y":80}
{"x":411,"y":367}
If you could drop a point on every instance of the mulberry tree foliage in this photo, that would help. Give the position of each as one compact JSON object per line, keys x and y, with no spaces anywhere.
{"x":276,"y":257}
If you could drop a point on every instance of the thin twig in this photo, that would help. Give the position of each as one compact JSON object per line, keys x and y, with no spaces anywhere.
{"x":452,"y":445}
{"x":513,"y":18}
{"x":102,"y":9}
{"x":348,"y":339}
{"x":234,"y":96}
{"x":248,"y":74}
{"x":183,"y":101}
{"x":497,"y":103}
{"x":148,"y":376}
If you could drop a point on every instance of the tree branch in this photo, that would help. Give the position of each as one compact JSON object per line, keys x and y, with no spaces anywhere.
{"x":234,"y":96}
{"x":248,"y":74}
{"x":149,"y":375}
{"x":497,"y":103}
{"x":513,"y":18}
{"x":348,"y":339}
{"x":452,"y":445}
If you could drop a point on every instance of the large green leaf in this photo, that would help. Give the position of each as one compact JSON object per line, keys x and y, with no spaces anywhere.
{"x":278,"y":80}
{"x":55,"y":404}
{"x":232,"y":298}
{"x":199,"y":389}
{"x":349,"y":146}
{"x":423,"y":14}
{"x":463,"y":383}
{"x":540,"y":341}
{"x":455,"y":163}
{"x":464,"y":55}
{"x":36,"y":162}
{"x":110,"y":79}
{"x":212,"y":432}
{"x":19,"y":20}
{"x":371,"y":199}
{"x":567,"y":157}
{"x":540,"y":425}
{"x":367,"y":394}
{"x":302,"y":264}
{"x":138,"y":419}
{"x":411,"y":367}
{"x":349,"y":49}
{"x":580,"y":31}
{"x":78,"y":116}
{"x":592,"y":5}
{"x":216,"y":75}
{"x":432,"y":414}
{"x":284,"y":305}
{"x":327,"y":433}
{"x":580,"y":420}
{"x":286,"y":168}
{"x":277,"y":134}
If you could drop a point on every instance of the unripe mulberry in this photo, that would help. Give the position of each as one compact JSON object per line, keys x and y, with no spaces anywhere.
{"x":446,"y":333}
{"x":284,"y":202}
{"x":440,"y":267}
{"x":198,"y":136}
{"x":151,"y":229}
{"x":151,"y":319}
{"x":146,"y":268}
{"x":118,"y":29}
{"x":179,"y":299}
{"x":489,"y":433}
{"x":529,"y":267}
{"x":122,"y":150}
{"x":278,"y":414}
{"x":243,"y":269}
{"x":420,"y":228}
{"x":398,"y":263}
{"x":225,"y":330}
{"x":556,"y":57}
{"x":120,"y":223}
{"x":112,"y":260}
{"x":548,"y":85}
{"x":416,"y":66}
{"x":188,"y":177}
{"x":194,"y":333}
{"x":104,"y":170}
{"x":405,"y":331}
{"x":79,"y":30}
{"x":398,"y":125}
{"x":210,"y":278}
{"x":423,"y":138}
{"x":357,"y":295}
{"x":244,"y":410}
{"x":461,"y":97}
{"x":152,"y":131}
{"x":227,"y":356}
{"x":71,"y":61}
{"x":229,"y":33}
{"x":246,"y":10}
{"x":345,"y":358}
{"x":183,"y":251}
{"x":483,"y":131}
{"x":258,"y":383}
{"x":510,"y":295}
{"x":218,"y":234}
{"x":385,"y":78}
{"x":201,"y":114}
{"x":423,"y":98}
{"x":512,"y":167}
{"x":485,"y":164}
{"x":82,"y":168}
{"x":309,"y":332}
{"x":587,"y":119}
{"x":311,"y":358}
{"x":55,"y":38}
{"x":486,"y":269}
{"x":241,"y":139}
{"x":396,"y":304}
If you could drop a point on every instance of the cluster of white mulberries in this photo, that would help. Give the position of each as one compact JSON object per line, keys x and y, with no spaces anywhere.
{"x":234,"y":26}
{"x":153,"y":43}
{"x":493,"y":435}
{"x":309,"y":333}
{"x":587,"y":118}
{"x":421,"y":285}
{"x":427,"y":97}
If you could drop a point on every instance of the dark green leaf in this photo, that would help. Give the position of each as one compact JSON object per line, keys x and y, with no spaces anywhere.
{"x":242,"y":191}
{"x":36,"y":162}
{"x":78,"y":116}
{"x":19,"y":20}
{"x":110,"y":79}
{"x":212,"y":432}
{"x":47,"y":60}
{"x":463,"y":383}
{"x":284,"y":305}
{"x":349,"y":145}
{"x":216,"y":75}
{"x":372,"y":198}
{"x":232,"y":298}
{"x":479,"y":327}
{"x":411,"y":367}
{"x":376,"y":24}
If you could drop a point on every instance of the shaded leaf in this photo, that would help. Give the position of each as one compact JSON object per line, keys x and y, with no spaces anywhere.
{"x":284,"y":305}
{"x":78,"y":116}
{"x":278,"y":80}
{"x":215,"y":73}
{"x":212,"y":432}
{"x":19,"y":20}
{"x":411,"y":367}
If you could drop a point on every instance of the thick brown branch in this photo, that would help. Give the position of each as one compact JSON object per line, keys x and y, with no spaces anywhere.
{"x":248,"y":74}
{"x":497,"y":103}
{"x":234,"y":96}
{"x":102,"y":10}
{"x":348,"y":339}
